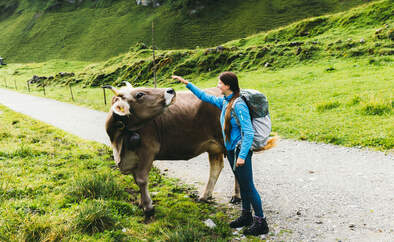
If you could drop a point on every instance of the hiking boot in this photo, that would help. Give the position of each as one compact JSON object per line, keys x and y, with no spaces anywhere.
{"x":245,"y":219}
{"x":258,"y":227}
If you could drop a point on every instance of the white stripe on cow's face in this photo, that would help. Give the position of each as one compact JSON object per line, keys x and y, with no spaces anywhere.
{"x":168,"y":97}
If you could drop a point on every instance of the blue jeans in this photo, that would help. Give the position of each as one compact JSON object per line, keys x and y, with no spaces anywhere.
{"x":244,"y":175}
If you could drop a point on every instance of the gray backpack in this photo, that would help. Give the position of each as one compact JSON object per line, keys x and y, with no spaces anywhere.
{"x":261,"y":121}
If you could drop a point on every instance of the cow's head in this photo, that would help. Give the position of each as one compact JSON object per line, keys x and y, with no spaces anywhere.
{"x":131,"y":109}
{"x":141,"y":104}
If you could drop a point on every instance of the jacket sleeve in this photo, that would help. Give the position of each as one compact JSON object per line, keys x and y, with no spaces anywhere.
{"x":242,"y":112}
{"x":217,"y":101}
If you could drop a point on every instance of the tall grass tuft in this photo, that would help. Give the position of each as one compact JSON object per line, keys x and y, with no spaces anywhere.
{"x":34,"y":228}
{"x":95,"y":186}
{"x":321,"y":107}
{"x":93,"y":217}
{"x":376,"y":106}
{"x":185,"y":233}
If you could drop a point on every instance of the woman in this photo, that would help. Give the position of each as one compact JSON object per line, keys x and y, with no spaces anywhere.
{"x":233,"y":134}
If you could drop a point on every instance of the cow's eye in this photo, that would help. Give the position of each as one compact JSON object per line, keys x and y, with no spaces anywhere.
{"x":139,"y":95}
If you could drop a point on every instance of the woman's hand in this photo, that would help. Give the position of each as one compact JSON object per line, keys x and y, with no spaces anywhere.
{"x":240,"y":162}
{"x":180,"y":79}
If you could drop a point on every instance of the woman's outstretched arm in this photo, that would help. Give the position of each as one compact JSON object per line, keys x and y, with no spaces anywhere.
{"x":217,"y":101}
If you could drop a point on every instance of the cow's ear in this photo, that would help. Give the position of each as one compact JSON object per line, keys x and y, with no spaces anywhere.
{"x":121,"y":108}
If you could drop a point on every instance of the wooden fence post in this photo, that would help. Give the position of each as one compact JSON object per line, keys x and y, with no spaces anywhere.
{"x":43,"y":87}
{"x":71,"y":91}
{"x":28,"y":85}
{"x":105,"y":98}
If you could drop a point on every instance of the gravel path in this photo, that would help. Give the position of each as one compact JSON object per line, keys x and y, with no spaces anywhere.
{"x":310,"y":192}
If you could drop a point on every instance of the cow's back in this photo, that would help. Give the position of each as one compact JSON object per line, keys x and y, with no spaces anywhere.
{"x":188,"y":128}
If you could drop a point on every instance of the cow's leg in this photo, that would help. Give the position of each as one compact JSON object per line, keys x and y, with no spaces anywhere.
{"x":141,"y":175}
{"x":216,"y":166}
{"x":236,"y":198}
{"x":141,"y":178}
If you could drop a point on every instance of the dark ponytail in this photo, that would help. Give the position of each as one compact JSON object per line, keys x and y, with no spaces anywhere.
{"x":230,"y":79}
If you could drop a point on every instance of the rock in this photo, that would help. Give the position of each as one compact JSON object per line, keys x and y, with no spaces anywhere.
{"x":319,"y":222}
{"x":267,"y":64}
{"x":330,"y":68}
{"x":209,"y":51}
{"x":124,"y":230}
{"x":209,"y":223}
{"x":143,"y":2}
{"x":378,"y":30}
{"x":298,"y":213}
{"x":296,"y":43}
{"x":362,"y":40}
{"x":299,"y":49}
{"x":220,"y":48}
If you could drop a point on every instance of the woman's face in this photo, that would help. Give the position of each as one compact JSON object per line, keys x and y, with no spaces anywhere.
{"x":224,"y":89}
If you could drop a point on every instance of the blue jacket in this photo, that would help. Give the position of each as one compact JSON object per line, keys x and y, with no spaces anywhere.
{"x":242,"y":112}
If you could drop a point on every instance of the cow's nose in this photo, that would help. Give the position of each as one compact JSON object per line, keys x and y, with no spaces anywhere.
{"x":170,"y":91}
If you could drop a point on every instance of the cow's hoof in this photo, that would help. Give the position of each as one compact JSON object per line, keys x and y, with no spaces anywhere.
{"x":235,"y":200}
{"x":149,"y":213}
{"x":205,"y":200}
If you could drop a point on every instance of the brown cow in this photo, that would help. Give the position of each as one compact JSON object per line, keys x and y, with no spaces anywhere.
{"x":147,"y":124}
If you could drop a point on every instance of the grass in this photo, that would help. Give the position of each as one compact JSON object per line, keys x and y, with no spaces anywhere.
{"x":328,"y":79}
{"x":41,"y":198}
{"x":306,"y":101}
{"x":37,"y":31}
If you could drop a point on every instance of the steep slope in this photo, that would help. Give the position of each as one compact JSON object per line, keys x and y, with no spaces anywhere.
{"x":96,"y":30}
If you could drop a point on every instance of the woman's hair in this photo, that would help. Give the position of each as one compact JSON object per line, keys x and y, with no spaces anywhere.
{"x":230,"y":79}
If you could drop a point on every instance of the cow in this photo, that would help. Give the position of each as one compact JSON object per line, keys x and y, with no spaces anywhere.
{"x":147,"y":124}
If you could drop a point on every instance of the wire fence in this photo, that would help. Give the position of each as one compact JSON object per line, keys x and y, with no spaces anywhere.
{"x":31,"y":87}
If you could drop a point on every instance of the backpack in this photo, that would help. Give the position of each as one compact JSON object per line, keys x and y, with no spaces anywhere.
{"x":261,"y":121}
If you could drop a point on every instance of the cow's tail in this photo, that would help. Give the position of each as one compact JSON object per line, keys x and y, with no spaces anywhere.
{"x":272,"y":142}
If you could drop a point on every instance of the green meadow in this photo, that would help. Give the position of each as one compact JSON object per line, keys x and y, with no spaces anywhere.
{"x":343,"y":102}
{"x":328,"y":79}
{"x":95,"y":30}
{"x":57,"y":187}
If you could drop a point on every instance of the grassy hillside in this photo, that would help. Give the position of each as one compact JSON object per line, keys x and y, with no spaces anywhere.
{"x":56,"y":187}
{"x":96,"y":30}
{"x":328,"y":79}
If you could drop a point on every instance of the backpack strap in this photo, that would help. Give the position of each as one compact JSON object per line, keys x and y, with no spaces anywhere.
{"x":233,"y":113}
